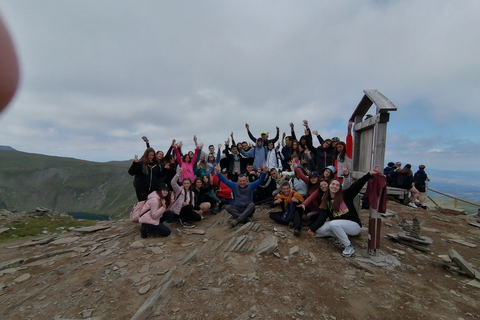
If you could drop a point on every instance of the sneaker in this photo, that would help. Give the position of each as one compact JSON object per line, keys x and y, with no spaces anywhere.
{"x":411,"y":204}
{"x":296,"y":232}
{"x":186,"y":224}
{"x":143,"y":231}
{"x":348,"y":251}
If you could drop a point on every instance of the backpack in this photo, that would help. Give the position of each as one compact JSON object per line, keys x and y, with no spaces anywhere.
{"x":289,"y":213}
{"x":138,"y":211}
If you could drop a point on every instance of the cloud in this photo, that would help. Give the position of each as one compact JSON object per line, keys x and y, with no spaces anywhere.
{"x":95,"y":81}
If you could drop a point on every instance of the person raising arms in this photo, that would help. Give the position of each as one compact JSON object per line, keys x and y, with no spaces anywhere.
{"x":337,"y":207}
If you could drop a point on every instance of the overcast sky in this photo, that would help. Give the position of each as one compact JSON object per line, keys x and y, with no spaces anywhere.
{"x":98,"y":75}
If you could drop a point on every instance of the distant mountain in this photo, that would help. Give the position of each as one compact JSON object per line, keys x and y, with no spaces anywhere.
{"x":6,"y":148}
{"x":29,"y":180}
{"x":461,"y":184}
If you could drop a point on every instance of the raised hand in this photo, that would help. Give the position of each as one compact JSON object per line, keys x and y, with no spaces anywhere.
{"x":278,"y":129}
{"x":200,"y":146}
{"x":247,"y":126}
{"x":265,"y":167}
{"x":291,"y":125}
{"x":194,"y":138}
{"x":173,"y":142}
{"x":220,"y":145}
{"x":305,"y":123}
{"x":315,"y":132}
{"x":216,"y":170}
{"x":136,"y":159}
{"x":375,"y":170}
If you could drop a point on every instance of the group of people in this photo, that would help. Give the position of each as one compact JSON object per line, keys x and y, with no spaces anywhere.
{"x":311,"y":185}
{"x":404,"y":178}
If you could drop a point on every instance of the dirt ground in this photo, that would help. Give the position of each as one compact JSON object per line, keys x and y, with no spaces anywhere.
{"x":115,"y":274}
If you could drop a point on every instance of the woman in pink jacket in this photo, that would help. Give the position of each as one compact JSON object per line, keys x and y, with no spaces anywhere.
{"x":157,"y":210}
{"x":187,"y":162}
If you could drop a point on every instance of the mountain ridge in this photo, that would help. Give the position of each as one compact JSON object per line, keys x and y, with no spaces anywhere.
{"x":64,"y":184}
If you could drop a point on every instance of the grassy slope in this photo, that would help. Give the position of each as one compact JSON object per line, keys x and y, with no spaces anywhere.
{"x":64,"y":184}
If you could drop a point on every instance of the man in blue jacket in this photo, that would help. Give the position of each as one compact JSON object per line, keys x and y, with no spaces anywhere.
{"x":243,"y":206}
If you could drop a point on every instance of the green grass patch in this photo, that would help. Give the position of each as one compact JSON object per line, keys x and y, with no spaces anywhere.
{"x":37,"y":226}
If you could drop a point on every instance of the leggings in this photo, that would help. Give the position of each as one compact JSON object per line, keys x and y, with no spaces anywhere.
{"x":187,"y":214}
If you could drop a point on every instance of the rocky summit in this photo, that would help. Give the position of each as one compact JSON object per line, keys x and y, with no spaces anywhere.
{"x":427,"y":267}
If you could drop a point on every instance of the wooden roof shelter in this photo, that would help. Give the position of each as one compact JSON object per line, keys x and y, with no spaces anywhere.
{"x":370,"y":132}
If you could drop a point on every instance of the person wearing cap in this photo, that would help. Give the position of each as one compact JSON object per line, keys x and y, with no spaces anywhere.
{"x":335,"y":140}
{"x":156,"y":211}
{"x":263,"y":136}
{"x":328,"y":173}
{"x":312,"y":180}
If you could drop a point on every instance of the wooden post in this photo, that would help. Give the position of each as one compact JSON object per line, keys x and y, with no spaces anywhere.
{"x":370,"y":139}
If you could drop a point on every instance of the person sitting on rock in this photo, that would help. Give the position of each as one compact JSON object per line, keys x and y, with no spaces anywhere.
{"x":184,"y":201}
{"x":243,"y":207}
{"x":156,"y":211}
{"x":338,"y":208}
{"x":289,"y":200}
{"x":403,"y":179}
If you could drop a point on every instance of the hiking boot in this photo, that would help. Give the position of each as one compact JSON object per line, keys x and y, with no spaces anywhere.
{"x":348,"y":251}
{"x":186,"y":224}
{"x":296,"y":232}
{"x":143,"y":232}
{"x":233,"y":222}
